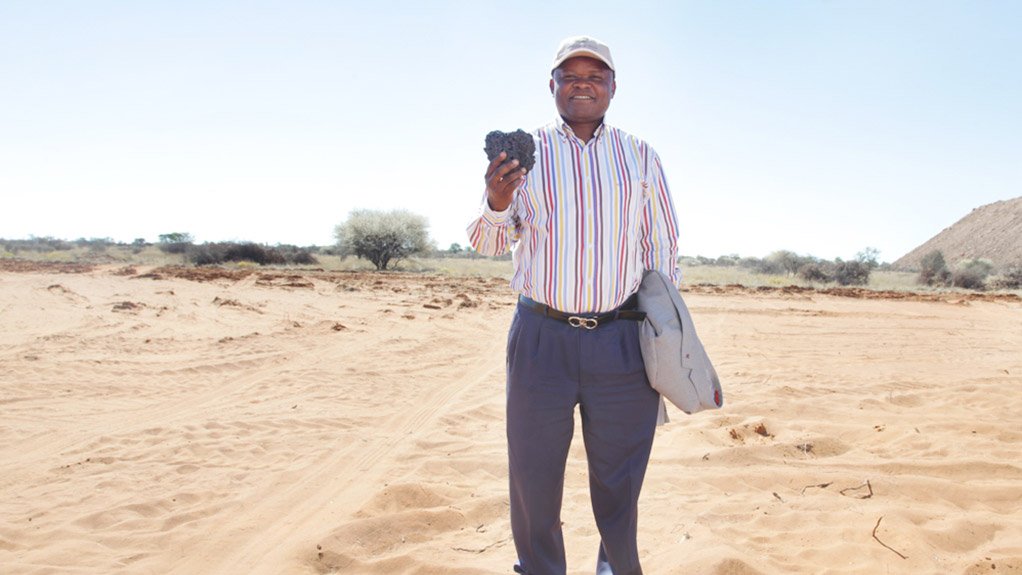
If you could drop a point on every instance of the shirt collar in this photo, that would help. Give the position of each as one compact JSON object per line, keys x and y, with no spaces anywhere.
{"x":567,"y":133}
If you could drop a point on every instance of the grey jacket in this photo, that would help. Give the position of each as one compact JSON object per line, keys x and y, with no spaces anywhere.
{"x":676,"y":363}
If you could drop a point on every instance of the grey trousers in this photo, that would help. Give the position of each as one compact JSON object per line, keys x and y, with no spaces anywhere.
{"x":551,"y":368}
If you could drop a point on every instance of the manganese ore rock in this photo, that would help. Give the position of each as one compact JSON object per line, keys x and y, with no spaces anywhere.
{"x":518,"y":145}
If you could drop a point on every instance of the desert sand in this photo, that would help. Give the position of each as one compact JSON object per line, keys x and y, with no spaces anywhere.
{"x":176,"y":421}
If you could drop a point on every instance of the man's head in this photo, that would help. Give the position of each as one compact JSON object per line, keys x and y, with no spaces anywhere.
{"x":582,"y":80}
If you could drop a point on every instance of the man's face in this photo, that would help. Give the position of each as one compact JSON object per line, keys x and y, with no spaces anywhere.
{"x":582,"y":88}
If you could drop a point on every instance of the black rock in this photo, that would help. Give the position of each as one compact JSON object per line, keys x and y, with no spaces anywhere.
{"x":518,"y":145}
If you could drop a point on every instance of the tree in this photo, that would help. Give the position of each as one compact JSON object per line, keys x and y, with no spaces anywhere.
{"x":175,"y":242}
{"x":933,"y":269}
{"x":869,"y":256}
{"x":176,"y":238}
{"x":382,"y":237}
{"x":783,"y":261}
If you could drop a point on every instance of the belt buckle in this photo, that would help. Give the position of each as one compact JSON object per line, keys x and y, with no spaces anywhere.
{"x":586,"y":322}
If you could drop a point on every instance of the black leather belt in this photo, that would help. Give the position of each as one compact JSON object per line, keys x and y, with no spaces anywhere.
{"x":589,"y":321}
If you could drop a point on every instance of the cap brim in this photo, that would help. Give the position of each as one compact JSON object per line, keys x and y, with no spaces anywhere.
{"x":581,"y":53}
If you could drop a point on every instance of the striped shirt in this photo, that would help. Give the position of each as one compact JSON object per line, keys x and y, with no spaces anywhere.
{"x":589,"y":218}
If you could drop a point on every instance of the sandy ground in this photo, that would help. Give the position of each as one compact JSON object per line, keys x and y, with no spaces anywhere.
{"x":167,"y":421}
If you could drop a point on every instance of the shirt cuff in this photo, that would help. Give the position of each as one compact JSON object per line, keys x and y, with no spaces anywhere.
{"x":493,"y":217}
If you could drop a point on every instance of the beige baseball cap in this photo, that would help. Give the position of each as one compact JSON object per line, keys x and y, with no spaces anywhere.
{"x":582,"y":46}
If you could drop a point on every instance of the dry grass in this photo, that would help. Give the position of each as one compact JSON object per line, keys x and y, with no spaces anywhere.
{"x":147,"y":256}
{"x":463,"y":267}
{"x":725,"y":275}
{"x":480,"y":267}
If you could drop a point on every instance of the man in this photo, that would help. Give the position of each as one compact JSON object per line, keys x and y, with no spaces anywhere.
{"x":583,"y":224}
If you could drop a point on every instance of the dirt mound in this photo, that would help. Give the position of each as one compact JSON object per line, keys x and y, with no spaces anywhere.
{"x":992,"y":232}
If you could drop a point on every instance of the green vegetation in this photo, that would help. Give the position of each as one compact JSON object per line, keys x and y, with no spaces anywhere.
{"x":219,"y":253}
{"x":933,"y":270}
{"x":175,"y":243}
{"x":972,"y":274}
{"x":809,"y":269}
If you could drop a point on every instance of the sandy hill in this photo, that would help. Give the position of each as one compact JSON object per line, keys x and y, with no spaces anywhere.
{"x":993,"y":231}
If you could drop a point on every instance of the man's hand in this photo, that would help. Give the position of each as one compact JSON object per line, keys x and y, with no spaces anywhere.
{"x":501,"y":182}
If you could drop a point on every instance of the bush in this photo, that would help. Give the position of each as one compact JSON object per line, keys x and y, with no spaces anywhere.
{"x":382,"y":238}
{"x":1010,"y":278}
{"x":722,"y":261}
{"x":209,"y":254}
{"x":972,"y":274}
{"x":294,"y":255}
{"x":764,"y":266}
{"x":851,"y":273}
{"x":968,"y":279}
{"x":204,"y":255}
{"x":785,"y":262}
{"x":728,"y":260}
{"x":175,"y":242}
{"x":817,"y":272}
{"x":933,"y":269}
{"x":95,"y":245}
{"x":39,"y":245}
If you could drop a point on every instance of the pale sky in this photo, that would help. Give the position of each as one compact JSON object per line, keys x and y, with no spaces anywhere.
{"x":820,"y":127}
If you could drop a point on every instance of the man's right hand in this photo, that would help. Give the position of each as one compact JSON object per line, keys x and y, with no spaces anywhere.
{"x":502,"y":179}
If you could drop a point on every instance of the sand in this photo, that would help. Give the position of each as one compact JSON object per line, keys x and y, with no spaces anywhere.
{"x":272,"y":423}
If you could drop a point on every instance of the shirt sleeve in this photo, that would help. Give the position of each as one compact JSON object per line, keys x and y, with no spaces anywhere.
{"x":492,"y":232}
{"x":659,"y":239}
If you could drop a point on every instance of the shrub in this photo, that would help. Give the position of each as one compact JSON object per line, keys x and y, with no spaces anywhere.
{"x":818,"y":272}
{"x":175,"y":242}
{"x":851,"y":273}
{"x":972,"y":274}
{"x":204,"y":255}
{"x":95,"y":245}
{"x":34,"y":244}
{"x":750,"y":263}
{"x":785,"y":262}
{"x":1010,"y":278}
{"x":382,"y":237}
{"x":983,"y":267}
{"x":728,"y":260}
{"x":764,"y":266}
{"x":968,"y":279}
{"x":294,"y":255}
{"x":209,"y":254}
{"x":722,"y":261}
{"x":933,"y":269}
